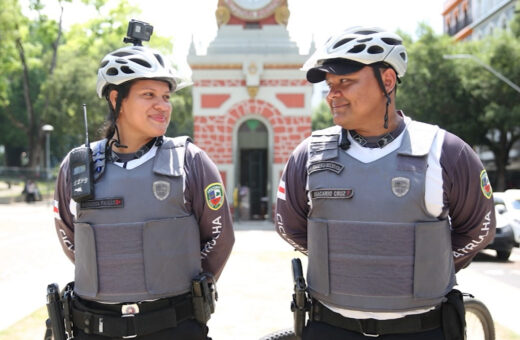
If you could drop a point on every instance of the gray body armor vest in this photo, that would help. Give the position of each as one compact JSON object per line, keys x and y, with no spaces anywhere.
{"x":135,"y":241}
{"x":372,"y":244}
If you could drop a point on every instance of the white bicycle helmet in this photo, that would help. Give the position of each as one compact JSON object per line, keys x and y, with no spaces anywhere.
{"x":360,"y":45}
{"x":136,"y":62}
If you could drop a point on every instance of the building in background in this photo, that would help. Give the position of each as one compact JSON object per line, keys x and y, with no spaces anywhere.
{"x":473,"y":19}
{"x":251,"y":102}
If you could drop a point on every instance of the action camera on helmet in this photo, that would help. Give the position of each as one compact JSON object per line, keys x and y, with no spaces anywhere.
{"x":138,"y":31}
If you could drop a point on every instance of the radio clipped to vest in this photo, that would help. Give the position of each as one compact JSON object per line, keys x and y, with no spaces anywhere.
{"x":81,"y":173}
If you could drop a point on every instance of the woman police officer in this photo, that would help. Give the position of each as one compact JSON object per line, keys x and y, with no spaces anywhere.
{"x":158,"y":216}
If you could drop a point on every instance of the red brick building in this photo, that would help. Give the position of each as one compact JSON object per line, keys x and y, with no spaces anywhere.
{"x":251,"y":102}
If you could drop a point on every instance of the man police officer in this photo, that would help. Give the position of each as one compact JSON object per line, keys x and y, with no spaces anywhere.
{"x":386,"y":208}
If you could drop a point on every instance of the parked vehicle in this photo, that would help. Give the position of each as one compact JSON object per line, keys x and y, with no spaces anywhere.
{"x":511,"y":201}
{"x":508,"y":225}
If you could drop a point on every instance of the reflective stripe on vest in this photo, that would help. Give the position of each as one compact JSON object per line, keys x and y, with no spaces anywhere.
{"x":372,"y":244}
{"x":135,"y":241}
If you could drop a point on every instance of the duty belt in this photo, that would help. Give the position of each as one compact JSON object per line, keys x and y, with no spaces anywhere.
{"x":414,"y":323}
{"x":130,"y":320}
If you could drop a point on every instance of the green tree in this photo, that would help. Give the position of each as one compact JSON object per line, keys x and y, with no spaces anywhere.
{"x":182,"y":114}
{"x":57,"y":84}
{"x":432,"y":91}
{"x":321,"y":116}
{"x":515,"y":24}
{"x":463,"y":97}
{"x":25,"y":99}
{"x":496,"y":105}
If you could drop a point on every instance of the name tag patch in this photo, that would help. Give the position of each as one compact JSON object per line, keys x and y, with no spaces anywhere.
{"x":326,"y":165}
{"x":332,"y":193}
{"x":103,"y":204}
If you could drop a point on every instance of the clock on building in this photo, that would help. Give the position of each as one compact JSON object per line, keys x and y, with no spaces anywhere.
{"x":253,"y":10}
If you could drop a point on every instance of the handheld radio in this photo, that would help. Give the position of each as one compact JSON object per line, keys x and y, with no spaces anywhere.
{"x":81,"y":174}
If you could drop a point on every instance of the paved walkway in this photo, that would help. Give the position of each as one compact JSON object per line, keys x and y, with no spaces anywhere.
{"x":255,"y":288}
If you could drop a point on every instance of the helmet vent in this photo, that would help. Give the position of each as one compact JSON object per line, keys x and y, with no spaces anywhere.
{"x":112,"y":71}
{"x":103,"y":64}
{"x":366,"y":32}
{"x":364,"y":40}
{"x":121,"y":61}
{"x":403,"y":55}
{"x":159,"y":59}
{"x":391,"y":41}
{"x":121,"y":54}
{"x":357,"y":48}
{"x":342,"y":42}
{"x":127,"y":70}
{"x":141,"y":62}
{"x":375,"y":50}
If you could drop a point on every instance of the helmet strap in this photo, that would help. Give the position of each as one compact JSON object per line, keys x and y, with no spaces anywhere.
{"x":377,"y":74}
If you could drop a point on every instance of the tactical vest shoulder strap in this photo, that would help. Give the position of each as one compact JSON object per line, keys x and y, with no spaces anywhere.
{"x":323,"y":144}
{"x":418,"y":138}
{"x":330,"y":131}
{"x":169,"y":160}
{"x":98,"y":157}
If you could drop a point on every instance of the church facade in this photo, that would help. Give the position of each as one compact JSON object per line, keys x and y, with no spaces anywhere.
{"x":251,"y":101}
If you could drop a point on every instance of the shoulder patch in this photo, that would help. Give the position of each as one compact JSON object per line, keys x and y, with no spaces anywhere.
{"x":214,"y":194}
{"x":485,"y":185}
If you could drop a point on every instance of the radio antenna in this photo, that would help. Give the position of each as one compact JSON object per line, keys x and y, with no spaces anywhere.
{"x":87,"y":143}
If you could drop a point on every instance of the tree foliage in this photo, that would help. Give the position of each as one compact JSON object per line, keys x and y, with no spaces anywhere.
{"x":461,"y":95}
{"x":58,"y":74}
{"x":321,"y":116}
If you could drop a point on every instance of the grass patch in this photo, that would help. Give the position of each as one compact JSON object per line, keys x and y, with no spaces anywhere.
{"x":31,"y":327}
{"x":503,"y":333}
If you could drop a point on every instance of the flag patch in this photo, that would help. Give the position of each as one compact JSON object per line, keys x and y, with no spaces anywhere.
{"x":281,"y":191}
{"x":56,"y":210}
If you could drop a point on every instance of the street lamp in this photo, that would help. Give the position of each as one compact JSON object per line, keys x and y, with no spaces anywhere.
{"x":486,"y":66}
{"x":47,"y":129}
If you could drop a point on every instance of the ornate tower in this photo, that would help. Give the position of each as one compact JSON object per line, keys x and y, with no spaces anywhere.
{"x":251,"y":102}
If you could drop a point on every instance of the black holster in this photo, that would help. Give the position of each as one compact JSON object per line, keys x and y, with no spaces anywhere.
{"x":300,"y":304}
{"x":58,"y":307}
{"x":453,"y":316}
{"x":204,"y":295}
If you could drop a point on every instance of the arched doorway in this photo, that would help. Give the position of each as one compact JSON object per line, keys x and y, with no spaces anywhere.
{"x":253,"y":170}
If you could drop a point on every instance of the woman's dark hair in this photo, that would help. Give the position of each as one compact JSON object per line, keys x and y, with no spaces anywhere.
{"x":109,"y":128}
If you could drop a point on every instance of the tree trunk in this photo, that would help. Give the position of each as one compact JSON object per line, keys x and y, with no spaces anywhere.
{"x":32,"y":133}
{"x":501,"y":152}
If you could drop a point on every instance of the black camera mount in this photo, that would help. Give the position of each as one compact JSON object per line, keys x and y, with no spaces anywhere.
{"x":138,"y":31}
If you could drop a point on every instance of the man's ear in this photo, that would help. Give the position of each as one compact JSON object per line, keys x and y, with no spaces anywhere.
{"x":389,"y":79}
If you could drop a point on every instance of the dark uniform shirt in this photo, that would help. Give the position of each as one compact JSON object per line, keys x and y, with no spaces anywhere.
{"x":215,"y":226}
{"x":456,"y":188}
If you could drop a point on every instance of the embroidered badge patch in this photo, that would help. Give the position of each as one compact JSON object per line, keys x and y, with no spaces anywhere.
{"x":326,"y":165}
{"x":214,"y":194}
{"x":485,"y":185}
{"x":332,"y":193}
{"x":400,"y":186}
{"x":161,"y":190}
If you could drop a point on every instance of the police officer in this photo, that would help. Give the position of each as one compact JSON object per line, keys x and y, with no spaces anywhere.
{"x":386,"y":208}
{"x":158,"y":217}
